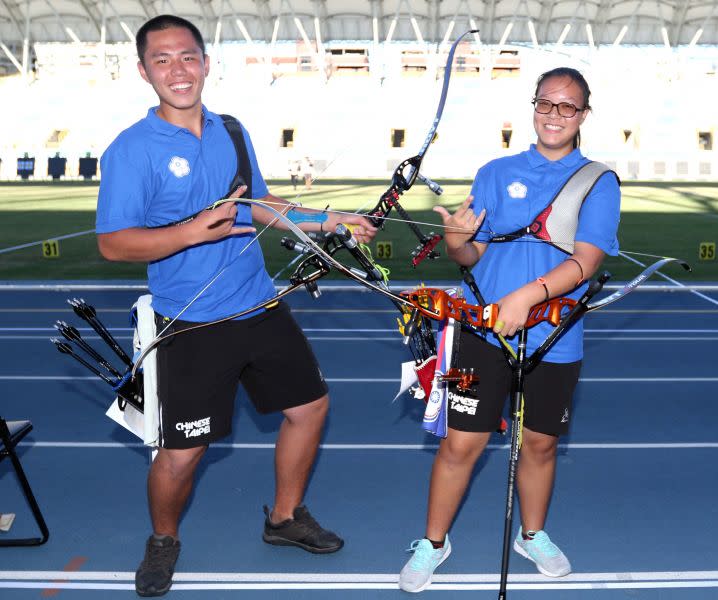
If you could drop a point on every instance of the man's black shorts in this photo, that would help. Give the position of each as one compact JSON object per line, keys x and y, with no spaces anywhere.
{"x":199,"y":372}
{"x":548,"y":391}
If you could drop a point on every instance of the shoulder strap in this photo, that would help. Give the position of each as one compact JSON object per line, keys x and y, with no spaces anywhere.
{"x":243,"y":176}
{"x":557,"y":223}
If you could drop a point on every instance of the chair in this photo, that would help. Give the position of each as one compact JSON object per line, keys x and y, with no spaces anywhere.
{"x":11,"y":433}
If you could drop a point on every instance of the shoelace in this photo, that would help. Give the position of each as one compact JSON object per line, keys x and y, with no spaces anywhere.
{"x":543,"y":544}
{"x":161,"y":556}
{"x":423,"y":555}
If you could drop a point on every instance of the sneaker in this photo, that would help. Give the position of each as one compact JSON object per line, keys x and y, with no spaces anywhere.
{"x":302,"y":531}
{"x":416,"y":574}
{"x":541,"y":550}
{"x":154,"y":575}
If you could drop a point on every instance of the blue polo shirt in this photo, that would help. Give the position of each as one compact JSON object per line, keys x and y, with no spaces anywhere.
{"x":155,"y":173}
{"x":515,"y":189}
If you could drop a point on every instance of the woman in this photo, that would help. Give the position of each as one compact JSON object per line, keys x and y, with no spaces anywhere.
{"x":506,"y":195}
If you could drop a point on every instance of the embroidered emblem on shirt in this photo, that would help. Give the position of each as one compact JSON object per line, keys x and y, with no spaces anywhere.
{"x":516,"y":189}
{"x":564,"y":419}
{"x":179,"y":166}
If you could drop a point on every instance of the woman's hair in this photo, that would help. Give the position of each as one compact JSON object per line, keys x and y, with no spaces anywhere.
{"x":161,"y":23}
{"x":574,"y":76}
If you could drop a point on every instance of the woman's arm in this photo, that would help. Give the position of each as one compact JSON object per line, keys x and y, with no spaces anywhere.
{"x":460,"y":229}
{"x":514,"y":307}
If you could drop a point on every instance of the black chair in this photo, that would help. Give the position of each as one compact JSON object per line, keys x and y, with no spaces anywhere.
{"x":11,"y":433}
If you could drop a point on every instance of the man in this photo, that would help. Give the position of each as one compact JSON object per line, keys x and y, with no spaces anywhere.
{"x":173,"y":163}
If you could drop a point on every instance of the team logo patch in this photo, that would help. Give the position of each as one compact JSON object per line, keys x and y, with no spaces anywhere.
{"x":433,"y":407}
{"x":517,"y":189}
{"x":179,"y":166}
{"x":564,"y":419}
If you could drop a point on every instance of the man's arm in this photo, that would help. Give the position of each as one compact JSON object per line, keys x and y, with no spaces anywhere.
{"x":363,"y":231}
{"x":141,"y":244}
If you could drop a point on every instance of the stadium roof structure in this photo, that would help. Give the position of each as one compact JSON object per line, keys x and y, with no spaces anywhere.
{"x":532,"y":22}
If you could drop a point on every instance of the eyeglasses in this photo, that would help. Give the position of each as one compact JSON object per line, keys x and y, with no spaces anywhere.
{"x":565,"y":109}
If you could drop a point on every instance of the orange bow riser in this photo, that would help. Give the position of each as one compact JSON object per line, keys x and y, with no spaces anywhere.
{"x":437,"y":304}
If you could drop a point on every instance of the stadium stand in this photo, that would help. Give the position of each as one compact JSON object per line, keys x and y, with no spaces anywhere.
{"x":357,"y":104}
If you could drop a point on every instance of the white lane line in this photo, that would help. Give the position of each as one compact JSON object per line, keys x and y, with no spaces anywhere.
{"x":356,"y":581}
{"x":436,"y":587}
{"x":387,"y":379}
{"x":394,"y":338}
{"x":231,"y":577}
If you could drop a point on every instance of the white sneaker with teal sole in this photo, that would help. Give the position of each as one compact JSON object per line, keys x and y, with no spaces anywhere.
{"x":541,"y":550}
{"x":416,"y":574}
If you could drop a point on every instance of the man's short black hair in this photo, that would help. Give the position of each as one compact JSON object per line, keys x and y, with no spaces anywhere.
{"x":160,"y":23}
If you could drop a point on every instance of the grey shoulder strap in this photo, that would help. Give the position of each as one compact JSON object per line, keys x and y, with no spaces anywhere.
{"x":558,"y":223}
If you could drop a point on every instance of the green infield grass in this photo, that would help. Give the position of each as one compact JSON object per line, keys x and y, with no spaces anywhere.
{"x":667,"y":219}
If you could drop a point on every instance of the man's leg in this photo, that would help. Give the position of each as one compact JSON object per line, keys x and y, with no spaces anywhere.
{"x":295,"y":452}
{"x":169,"y":484}
{"x":289,"y":523}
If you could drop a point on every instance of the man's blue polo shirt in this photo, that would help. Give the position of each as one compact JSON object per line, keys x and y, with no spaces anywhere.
{"x":514,"y":190}
{"x":156,"y":173}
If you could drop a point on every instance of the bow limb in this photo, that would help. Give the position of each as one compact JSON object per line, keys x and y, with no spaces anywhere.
{"x":401,"y":182}
{"x":635,"y":282}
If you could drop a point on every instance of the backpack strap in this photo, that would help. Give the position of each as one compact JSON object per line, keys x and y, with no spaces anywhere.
{"x":243,"y":176}
{"x":557,"y":223}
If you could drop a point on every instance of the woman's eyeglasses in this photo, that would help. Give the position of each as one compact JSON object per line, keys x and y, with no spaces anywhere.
{"x":565,"y":109}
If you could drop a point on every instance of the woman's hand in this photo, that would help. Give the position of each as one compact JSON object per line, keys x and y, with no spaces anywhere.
{"x":460,"y":227}
{"x":514,"y":310}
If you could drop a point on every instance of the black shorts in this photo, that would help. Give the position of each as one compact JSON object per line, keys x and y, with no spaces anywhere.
{"x":548,"y":391}
{"x":199,"y":371}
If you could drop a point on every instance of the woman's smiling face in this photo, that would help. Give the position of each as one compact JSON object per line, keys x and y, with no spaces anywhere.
{"x":556,"y":133}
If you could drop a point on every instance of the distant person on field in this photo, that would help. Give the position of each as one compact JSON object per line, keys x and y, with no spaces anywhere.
{"x":308,"y":172}
{"x":295,"y":168}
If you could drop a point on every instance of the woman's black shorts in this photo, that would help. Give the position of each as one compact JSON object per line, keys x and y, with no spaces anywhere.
{"x":548,"y":391}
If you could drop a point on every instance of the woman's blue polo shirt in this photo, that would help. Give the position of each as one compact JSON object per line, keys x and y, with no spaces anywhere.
{"x":155,"y":173}
{"x":514,"y":190}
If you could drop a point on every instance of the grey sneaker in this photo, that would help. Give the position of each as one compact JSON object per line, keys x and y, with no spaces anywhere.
{"x":301,"y":531}
{"x":416,"y":574}
{"x":541,"y":550}
{"x":154,"y":575}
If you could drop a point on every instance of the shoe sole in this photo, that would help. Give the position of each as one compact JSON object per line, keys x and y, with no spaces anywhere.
{"x":280,"y":541}
{"x":148,"y":594}
{"x":428,"y":582}
{"x":543,"y":571}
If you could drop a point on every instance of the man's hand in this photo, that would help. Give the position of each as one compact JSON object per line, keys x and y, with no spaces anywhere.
{"x":362,"y":229}
{"x":218,"y":223}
